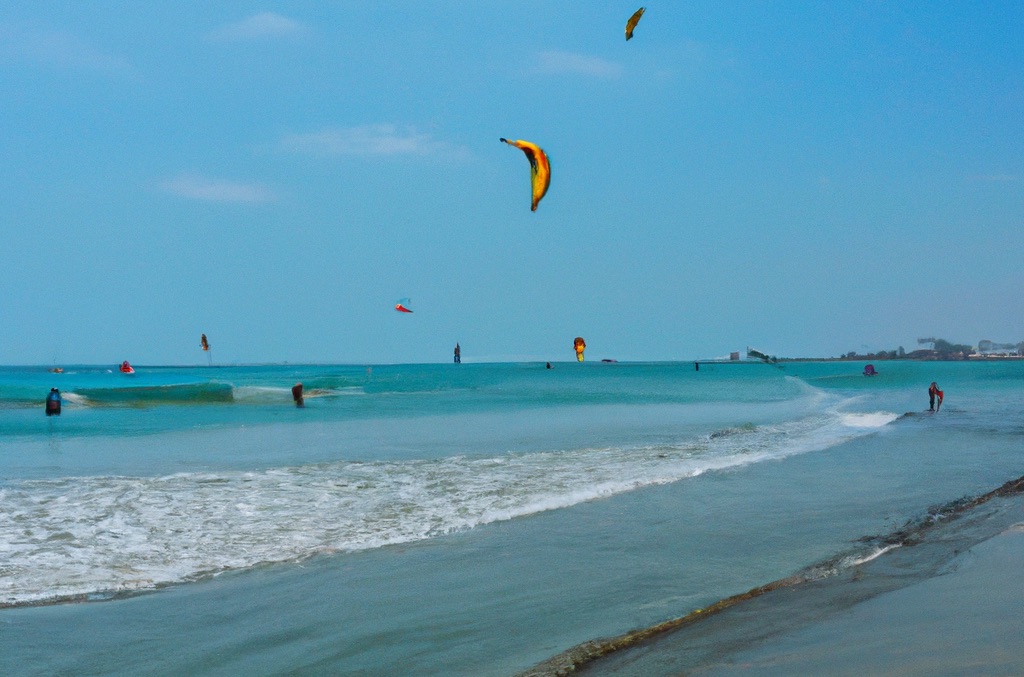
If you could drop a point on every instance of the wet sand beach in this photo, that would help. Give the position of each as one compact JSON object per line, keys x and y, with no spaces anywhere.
{"x":966,"y":621}
{"x":947,"y":603}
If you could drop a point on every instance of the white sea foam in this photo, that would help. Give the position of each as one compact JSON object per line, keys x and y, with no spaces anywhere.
{"x":857,"y":560}
{"x":261,"y":393}
{"x":875,"y":419}
{"x":268,"y":394}
{"x":71,"y":537}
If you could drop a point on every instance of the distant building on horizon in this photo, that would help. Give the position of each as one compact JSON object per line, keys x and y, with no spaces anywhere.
{"x":986,"y":346}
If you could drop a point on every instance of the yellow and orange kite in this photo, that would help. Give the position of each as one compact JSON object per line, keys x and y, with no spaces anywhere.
{"x":633,"y":21}
{"x":204,"y":343}
{"x":540,"y":169}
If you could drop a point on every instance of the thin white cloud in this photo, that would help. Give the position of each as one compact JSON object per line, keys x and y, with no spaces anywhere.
{"x":56,"y":49}
{"x":196,"y":187}
{"x":259,"y":26}
{"x":366,"y":140}
{"x":570,"y":63}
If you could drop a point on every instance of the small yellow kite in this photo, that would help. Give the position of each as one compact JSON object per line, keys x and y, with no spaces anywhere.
{"x":633,"y":21}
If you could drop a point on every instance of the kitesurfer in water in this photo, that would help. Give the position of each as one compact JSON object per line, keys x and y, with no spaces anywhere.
{"x":53,"y":403}
{"x":297,"y":395}
{"x":934,"y":394}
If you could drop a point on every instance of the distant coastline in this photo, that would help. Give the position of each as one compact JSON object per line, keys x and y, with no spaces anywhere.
{"x":973,"y":357}
{"x":940,"y":350}
{"x":757,"y":357}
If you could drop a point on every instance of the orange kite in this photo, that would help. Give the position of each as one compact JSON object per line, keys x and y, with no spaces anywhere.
{"x":633,"y":21}
{"x":579,"y":345}
{"x":540,"y":169}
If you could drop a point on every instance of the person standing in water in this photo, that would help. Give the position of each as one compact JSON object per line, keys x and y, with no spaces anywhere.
{"x":934,"y":394}
{"x":53,"y":403}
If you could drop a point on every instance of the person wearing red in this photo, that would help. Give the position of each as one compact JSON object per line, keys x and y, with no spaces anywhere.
{"x":934,"y":397}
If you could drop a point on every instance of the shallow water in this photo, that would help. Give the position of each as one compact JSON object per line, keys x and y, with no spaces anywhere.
{"x":450,"y":519}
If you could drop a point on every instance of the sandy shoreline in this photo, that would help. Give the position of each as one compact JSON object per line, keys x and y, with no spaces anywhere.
{"x":943,"y":598}
{"x":966,"y":621}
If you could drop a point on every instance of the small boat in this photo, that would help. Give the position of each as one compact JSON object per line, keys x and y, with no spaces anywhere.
{"x":126,"y":368}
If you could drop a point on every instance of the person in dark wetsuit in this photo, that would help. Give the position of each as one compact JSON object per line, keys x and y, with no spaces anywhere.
{"x":53,"y":403}
{"x":934,"y":394}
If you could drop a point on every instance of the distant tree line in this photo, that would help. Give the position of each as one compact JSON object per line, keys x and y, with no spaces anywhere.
{"x":986,"y":346}
{"x":946,"y":349}
{"x":941,"y":350}
{"x":897,"y":354}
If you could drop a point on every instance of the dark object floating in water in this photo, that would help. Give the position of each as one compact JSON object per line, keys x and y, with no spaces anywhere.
{"x":869,"y":370}
{"x":53,"y":403}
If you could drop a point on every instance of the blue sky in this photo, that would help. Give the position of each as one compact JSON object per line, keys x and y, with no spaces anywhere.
{"x":808,"y":178}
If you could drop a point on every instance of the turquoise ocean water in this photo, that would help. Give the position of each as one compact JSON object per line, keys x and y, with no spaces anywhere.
{"x":473,"y":519}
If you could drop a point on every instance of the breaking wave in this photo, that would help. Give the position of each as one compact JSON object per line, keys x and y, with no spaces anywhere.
{"x":94,"y":537}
